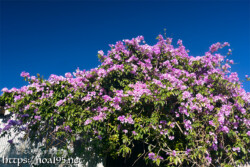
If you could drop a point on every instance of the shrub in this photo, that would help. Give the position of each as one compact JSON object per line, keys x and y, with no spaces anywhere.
{"x":187,"y":110}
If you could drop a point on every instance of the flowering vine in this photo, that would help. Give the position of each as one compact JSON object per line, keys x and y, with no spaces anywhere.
{"x":187,"y":110}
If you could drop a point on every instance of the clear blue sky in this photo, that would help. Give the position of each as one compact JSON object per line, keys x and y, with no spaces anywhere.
{"x":55,"y":37}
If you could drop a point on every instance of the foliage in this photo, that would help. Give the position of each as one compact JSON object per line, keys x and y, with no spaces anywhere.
{"x":187,"y":110}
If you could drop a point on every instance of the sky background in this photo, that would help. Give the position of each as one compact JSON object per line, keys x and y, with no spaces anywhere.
{"x":55,"y":37}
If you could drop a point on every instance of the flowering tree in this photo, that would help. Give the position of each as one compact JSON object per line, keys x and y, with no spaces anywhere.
{"x":186,"y":110}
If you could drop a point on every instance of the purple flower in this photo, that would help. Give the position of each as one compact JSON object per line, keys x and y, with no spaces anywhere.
{"x":174,"y":153}
{"x":106,"y":98}
{"x":221,"y":118}
{"x":134,"y":133}
{"x":17,"y":97}
{"x":56,"y":129}
{"x":87,"y":98}
{"x":67,"y":128}
{"x":27,"y":107}
{"x":209,"y":159}
{"x":226,"y":109}
{"x":29,"y":92}
{"x":214,"y":147}
{"x":215,"y":47}
{"x":5,"y":90}
{"x":169,"y":40}
{"x":159,"y":157}
{"x":129,"y":120}
{"x":25,"y":115}
{"x":33,"y":78}
{"x":187,"y":124}
{"x":13,"y":90}
{"x":188,"y":151}
{"x":186,"y":95}
{"x":117,"y":100}
{"x":125,"y":131}
{"x":101,"y":72}
{"x":101,"y":116}
{"x":211,"y":123}
{"x":172,"y":125}
{"x":10,"y":141}
{"x":151,"y":156}
{"x":13,"y":122}
{"x":88,"y":121}
{"x":121,"y":118}
{"x":171,"y":137}
{"x":37,"y":117}
{"x":248,"y":133}
{"x":199,"y":96}
{"x":179,"y":42}
{"x":25,"y":74}
{"x":236,"y":149}
{"x":68,"y":75}
{"x":236,"y":124}
{"x":60,"y":102}
{"x":99,"y":137}
{"x":7,"y":127}
{"x":225,"y":129}
{"x":101,"y":52}
{"x":35,"y":110}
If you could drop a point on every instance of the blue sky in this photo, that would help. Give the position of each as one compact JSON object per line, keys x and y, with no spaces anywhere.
{"x":55,"y":37}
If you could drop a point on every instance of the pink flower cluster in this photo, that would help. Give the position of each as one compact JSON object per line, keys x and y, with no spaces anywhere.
{"x":139,"y":90}
{"x":124,"y":119}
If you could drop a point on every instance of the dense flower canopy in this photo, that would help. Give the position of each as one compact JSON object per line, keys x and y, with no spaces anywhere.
{"x":185,"y":109}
